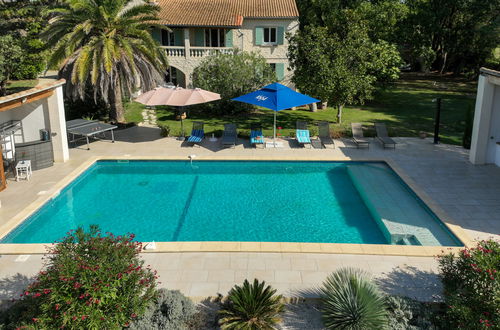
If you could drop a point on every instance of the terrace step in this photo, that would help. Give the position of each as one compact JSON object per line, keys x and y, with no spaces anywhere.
{"x":402,"y":216}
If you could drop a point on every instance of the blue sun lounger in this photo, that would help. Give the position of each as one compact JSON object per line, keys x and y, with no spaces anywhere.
{"x":256,"y":136}
{"x":302,"y":134}
{"x":197,"y":133}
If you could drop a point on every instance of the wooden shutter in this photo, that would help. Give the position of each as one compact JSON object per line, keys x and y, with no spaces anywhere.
{"x":199,"y":37}
{"x":280,"y":38}
{"x":280,"y":71}
{"x":178,"y":37}
{"x":259,"y":36}
{"x":156,"y":33}
{"x":229,"y":38}
{"x":3,"y":181}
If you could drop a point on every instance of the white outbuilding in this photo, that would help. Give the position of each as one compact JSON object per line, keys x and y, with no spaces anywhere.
{"x":33,"y":127}
{"x":485,"y":145}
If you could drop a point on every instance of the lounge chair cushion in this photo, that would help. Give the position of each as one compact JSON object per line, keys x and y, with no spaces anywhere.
{"x":256,"y":137}
{"x":303,"y":136}
{"x":196,"y":136}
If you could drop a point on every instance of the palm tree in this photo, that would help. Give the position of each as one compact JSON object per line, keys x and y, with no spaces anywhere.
{"x":105,"y":46}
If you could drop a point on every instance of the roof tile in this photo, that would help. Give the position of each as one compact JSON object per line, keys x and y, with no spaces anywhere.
{"x":222,"y":12}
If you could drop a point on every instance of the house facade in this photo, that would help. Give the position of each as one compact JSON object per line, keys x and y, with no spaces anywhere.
{"x":200,"y":28}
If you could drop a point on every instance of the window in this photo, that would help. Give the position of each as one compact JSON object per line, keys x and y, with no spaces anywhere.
{"x":273,"y":66}
{"x":270,"y":36}
{"x":215,"y":38}
{"x":167,"y":38}
{"x":171,"y":76}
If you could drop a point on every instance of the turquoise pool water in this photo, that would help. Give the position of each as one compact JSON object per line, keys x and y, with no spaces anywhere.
{"x":212,"y":201}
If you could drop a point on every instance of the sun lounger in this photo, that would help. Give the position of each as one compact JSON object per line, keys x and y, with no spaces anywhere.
{"x":302,"y":134}
{"x":357,"y":136}
{"x":383,"y":137}
{"x":197,"y":133}
{"x":229,"y":136}
{"x":324,"y":134}
{"x":256,"y":136}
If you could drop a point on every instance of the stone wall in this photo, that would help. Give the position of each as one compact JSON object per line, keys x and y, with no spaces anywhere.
{"x":244,"y":39}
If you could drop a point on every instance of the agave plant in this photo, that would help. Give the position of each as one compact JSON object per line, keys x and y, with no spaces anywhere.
{"x":351,"y":301}
{"x":252,"y":306}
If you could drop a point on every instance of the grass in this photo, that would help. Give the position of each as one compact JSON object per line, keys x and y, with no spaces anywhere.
{"x":407,"y":108}
{"x":15,"y":86}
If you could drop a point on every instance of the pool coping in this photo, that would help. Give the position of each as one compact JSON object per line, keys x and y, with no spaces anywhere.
{"x":280,"y":247}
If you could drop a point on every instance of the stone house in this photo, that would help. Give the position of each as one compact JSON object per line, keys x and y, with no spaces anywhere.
{"x":200,"y":28}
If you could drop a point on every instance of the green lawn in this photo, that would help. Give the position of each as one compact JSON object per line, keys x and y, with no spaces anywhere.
{"x":406,"y":108}
{"x":15,"y":86}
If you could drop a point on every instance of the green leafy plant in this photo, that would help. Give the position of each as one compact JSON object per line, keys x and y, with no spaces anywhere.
{"x":469,"y":121}
{"x":472,"y":287}
{"x":405,"y":313}
{"x":251,"y":306}
{"x":351,"y":301}
{"x":89,"y":281}
{"x":170,"y":311}
{"x":232,"y":75}
{"x":164,"y":130}
{"x":126,"y":54}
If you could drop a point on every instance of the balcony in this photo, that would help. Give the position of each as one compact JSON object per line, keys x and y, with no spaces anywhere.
{"x":196,"y":52}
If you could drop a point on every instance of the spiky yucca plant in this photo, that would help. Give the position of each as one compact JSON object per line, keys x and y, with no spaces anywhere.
{"x":252,"y":306}
{"x":106,"y":46}
{"x":351,"y":301}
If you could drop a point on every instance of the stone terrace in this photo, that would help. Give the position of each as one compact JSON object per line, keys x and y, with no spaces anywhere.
{"x":469,"y":195}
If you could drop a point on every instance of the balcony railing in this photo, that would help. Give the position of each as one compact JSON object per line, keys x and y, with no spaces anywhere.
{"x":179,"y":51}
{"x":175,"y":51}
{"x":208,"y":51}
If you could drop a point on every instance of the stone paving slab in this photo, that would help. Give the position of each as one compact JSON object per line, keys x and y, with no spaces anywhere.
{"x":468,"y":194}
{"x":199,"y":274}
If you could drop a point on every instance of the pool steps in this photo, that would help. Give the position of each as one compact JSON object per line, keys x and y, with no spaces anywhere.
{"x":402,"y":217}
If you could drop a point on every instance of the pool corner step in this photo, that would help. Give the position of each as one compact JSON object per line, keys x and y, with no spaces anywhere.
{"x":401,"y":216}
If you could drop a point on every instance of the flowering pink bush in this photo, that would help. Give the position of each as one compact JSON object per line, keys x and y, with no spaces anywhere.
{"x":90,"y":281}
{"x":472,"y":287}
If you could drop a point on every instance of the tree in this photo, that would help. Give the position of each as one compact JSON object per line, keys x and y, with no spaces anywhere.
{"x":232,"y":75}
{"x":10,"y":55}
{"x":23,"y":20}
{"x":461,"y":34}
{"x":106,"y":45}
{"x":340,"y":69}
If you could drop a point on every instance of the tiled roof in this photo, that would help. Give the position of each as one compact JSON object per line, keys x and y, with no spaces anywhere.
{"x":222,"y":12}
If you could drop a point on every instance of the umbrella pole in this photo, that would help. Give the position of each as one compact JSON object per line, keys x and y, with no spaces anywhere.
{"x":182,"y":122}
{"x":274,"y":136}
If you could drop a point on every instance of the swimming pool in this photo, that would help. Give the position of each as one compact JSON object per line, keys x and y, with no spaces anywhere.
{"x":259,"y":201}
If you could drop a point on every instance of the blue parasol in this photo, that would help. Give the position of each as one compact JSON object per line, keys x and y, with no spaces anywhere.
{"x":276,"y":97}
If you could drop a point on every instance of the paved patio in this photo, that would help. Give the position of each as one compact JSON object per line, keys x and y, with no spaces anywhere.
{"x":469,"y":195}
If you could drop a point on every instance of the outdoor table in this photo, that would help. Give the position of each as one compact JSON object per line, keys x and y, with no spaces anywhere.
{"x":88,"y":128}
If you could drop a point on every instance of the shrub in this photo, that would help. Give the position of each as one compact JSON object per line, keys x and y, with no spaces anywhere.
{"x":170,"y":311}
{"x":90,"y":281}
{"x":252,"y":306}
{"x":351,"y":301}
{"x":472,"y":287}
{"x":232,"y":75}
{"x":407,"y":314}
{"x":469,"y":120}
{"x":164,"y":130}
